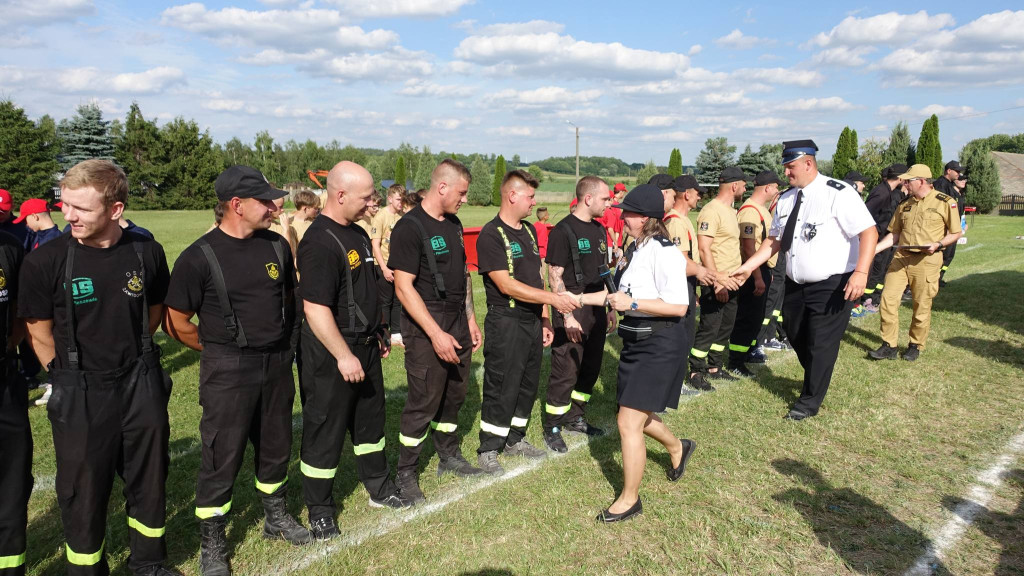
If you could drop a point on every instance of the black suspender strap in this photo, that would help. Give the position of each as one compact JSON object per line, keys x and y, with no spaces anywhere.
{"x":5,"y":268}
{"x":431,"y":259}
{"x":230,"y":320}
{"x":508,"y":254}
{"x":146,"y":337}
{"x":574,"y":250}
{"x":353,"y":309}
{"x":286,"y":295}
{"x":72,"y":348}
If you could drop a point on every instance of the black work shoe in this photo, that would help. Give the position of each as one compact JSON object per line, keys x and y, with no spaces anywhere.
{"x":324,"y":528}
{"x":524,"y":448}
{"x":280,"y":525}
{"x":755,"y":356}
{"x":884,"y":352}
{"x":942,"y":283}
{"x":609,"y":517}
{"x":911,"y":353}
{"x":796,"y":415}
{"x":213,"y":547}
{"x":907,"y":295}
{"x":457,"y":465}
{"x":409,"y":486}
{"x":699,"y":382}
{"x":676,"y":473}
{"x":721,"y":374}
{"x":396,"y":501}
{"x":581,"y":426}
{"x":741,"y":371}
{"x":157,"y":570}
{"x":488,"y":462}
{"x":553,"y":438}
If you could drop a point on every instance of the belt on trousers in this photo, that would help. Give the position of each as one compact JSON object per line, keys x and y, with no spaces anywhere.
{"x":360,"y":340}
{"x":517,"y":311}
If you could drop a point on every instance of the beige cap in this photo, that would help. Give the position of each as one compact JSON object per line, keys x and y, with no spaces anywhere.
{"x":916,"y":171}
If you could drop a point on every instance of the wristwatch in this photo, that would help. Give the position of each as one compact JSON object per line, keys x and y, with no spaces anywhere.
{"x":634,"y":305}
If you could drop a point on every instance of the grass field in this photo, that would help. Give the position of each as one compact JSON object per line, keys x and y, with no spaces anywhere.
{"x":864,"y":488}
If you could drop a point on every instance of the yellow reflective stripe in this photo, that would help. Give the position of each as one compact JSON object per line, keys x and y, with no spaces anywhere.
{"x":444,"y":427}
{"x":944,"y":268}
{"x":766,"y":321}
{"x":205,"y":513}
{"x":717,"y":347}
{"x":753,"y":342}
{"x":780,"y":318}
{"x":492,"y":429}
{"x":270,"y":488}
{"x":361,"y":449}
{"x":518,"y":422}
{"x":776,"y":313}
{"x":85,"y":559}
{"x":12,"y":561}
{"x":879,"y":286}
{"x":146,"y":530}
{"x":557,"y":410}
{"x":580,"y":396}
{"x":314,"y":472}
{"x":410,"y":441}
{"x":697,"y":353}
{"x":738,"y":348}
{"x":869,"y":290}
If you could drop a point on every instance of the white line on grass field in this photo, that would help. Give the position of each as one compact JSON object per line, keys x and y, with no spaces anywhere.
{"x":969,"y":248}
{"x":977,"y":499}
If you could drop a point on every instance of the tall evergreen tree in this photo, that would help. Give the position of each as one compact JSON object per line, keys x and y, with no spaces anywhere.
{"x":750,"y":162}
{"x":845,"y":157}
{"x":984,"y":189}
{"x":929,"y":151}
{"x":715,"y":157}
{"x":644,"y":174}
{"x":771,"y":159}
{"x":424,"y":168}
{"x":499,"y":174}
{"x":85,"y":136}
{"x":28,"y":155}
{"x":675,"y":163}
{"x":191,"y":167}
{"x":480,"y":188}
{"x":871,"y":161}
{"x":400,"y":175}
{"x":900,"y":149}
{"x":140,"y":153}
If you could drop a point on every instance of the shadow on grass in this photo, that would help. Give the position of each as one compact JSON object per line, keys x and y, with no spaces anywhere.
{"x":863,"y":533}
{"x":997,"y":350}
{"x":489,"y":572}
{"x":993,"y":298}
{"x":785,"y":389}
{"x":1005,"y":529}
{"x":865,"y":339}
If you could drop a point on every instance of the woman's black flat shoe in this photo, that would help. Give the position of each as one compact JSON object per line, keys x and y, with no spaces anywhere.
{"x":609,"y":517}
{"x":676,"y":473}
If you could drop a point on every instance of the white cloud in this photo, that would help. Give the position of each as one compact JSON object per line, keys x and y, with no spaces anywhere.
{"x":999,"y":29}
{"x":398,"y":64}
{"x":513,"y":28}
{"x":223,"y":104}
{"x":541,"y":98}
{"x":292,"y":112}
{"x":149,"y":82}
{"x":787,"y":76}
{"x":94,"y":81}
{"x":445,"y":123}
{"x":695,"y":49}
{"x":905,"y":112}
{"x":739,"y":41}
{"x":891,"y":28}
{"x":659,"y":121}
{"x":676,"y":136}
{"x":400,"y":8}
{"x":851,"y":56}
{"x":425,"y":88}
{"x":41,"y":12}
{"x":522,"y":131}
{"x":830,"y":104}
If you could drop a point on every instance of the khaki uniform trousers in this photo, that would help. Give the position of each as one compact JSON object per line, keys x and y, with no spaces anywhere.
{"x":921,"y":272}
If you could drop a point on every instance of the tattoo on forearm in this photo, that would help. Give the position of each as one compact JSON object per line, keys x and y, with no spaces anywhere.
{"x":555,"y":278}
{"x":470,"y":310}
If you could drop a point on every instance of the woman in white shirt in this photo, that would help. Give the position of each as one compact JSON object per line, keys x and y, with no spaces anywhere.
{"x":653,"y":295}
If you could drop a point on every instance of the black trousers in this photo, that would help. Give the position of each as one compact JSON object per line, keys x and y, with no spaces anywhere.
{"x":816,"y":316}
{"x":330,"y":408}
{"x":575,"y":366}
{"x":437,"y":389}
{"x":688,"y":331}
{"x":750,"y":314}
{"x":15,"y":468}
{"x":713,"y":330}
{"x":771,"y":326}
{"x":876,"y":276}
{"x":512,"y":358}
{"x":246,"y":396}
{"x":391,"y":305}
{"x":106,"y":423}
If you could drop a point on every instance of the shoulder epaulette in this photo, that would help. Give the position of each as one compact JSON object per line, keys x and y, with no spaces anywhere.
{"x":836,"y":185}
{"x":942,"y":197}
{"x":664,"y":241}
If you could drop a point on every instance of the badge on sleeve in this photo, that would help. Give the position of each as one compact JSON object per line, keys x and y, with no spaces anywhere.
{"x":704,"y":226}
{"x":748,"y":229}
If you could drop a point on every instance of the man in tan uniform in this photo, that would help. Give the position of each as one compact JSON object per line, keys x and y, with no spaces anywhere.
{"x":282,"y":224}
{"x":307,"y":207}
{"x":718,"y":239}
{"x":380,"y":235}
{"x":922,"y":226}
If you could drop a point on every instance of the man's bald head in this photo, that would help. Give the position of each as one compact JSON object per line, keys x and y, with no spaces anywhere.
{"x":349,"y":189}
{"x":346,"y":175}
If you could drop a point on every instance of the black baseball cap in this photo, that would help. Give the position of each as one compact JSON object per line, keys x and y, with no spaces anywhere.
{"x":245,"y":182}
{"x":855,"y":176}
{"x":767,"y":177}
{"x":687,"y":182}
{"x":893,"y":171}
{"x":646,"y":200}
{"x":662,"y":181}
{"x":954,"y":165}
{"x":732,"y":174}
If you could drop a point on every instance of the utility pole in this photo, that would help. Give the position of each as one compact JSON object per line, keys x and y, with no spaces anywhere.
{"x":577,"y":149}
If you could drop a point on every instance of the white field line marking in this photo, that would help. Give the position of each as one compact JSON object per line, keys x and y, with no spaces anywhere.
{"x":977,"y":499}
{"x":969,"y":248}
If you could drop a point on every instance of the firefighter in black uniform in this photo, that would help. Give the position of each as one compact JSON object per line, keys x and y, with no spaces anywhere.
{"x":438,"y":325}
{"x":881,"y":203}
{"x":16,"y":447}
{"x":947,"y":185}
{"x":343,"y":340}
{"x":239,"y":278}
{"x":108,"y":407}
{"x":576,"y":252}
{"x":509,"y":261}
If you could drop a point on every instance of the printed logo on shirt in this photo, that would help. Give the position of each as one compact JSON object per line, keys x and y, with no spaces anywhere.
{"x":273,"y":271}
{"x":603,"y":246}
{"x":439,"y":245}
{"x":516,"y":249}
{"x":354,"y":260}
{"x":82,"y":291}
{"x":584,"y":245}
{"x":676,"y":240}
{"x":133,"y":287}
{"x":748,"y":229}
{"x":704,"y":226}
{"x":3,"y":279}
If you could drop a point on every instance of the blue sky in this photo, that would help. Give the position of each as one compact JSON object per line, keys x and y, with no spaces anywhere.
{"x":638,"y":78}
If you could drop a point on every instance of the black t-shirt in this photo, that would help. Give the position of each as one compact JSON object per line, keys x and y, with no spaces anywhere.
{"x":593,"y":251}
{"x":256,"y":282}
{"x":445,"y":236}
{"x":324,"y":280}
{"x":492,"y":255}
{"x":107,"y":290}
{"x":13,"y":255}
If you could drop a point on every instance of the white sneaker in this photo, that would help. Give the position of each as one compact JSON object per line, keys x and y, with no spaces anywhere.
{"x":396,"y":340}
{"x":46,"y":396}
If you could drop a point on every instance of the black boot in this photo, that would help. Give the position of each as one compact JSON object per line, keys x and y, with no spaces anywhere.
{"x":213,"y":551}
{"x":279,"y":524}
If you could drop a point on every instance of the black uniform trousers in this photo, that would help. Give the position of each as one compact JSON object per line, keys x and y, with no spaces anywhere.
{"x":512,"y":357}
{"x":246,"y":395}
{"x":392,"y":306}
{"x":713,"y":330}
{"x":816,"y":316}
{"x":107,"y":422}
{"x":330,"y":408}
{"x":876,"y":276}
{"x":688,"y":330}
{"x":15,"y":468}
{"x":771,"y":326}
{"x":575,"y":366}
{"x":437,"y":389}
{"x":750,"y":314}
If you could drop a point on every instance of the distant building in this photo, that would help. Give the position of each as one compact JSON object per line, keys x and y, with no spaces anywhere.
{"x":1011,"y":172}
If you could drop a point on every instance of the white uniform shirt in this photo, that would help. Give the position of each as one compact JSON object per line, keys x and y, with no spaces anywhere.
{"x":656,"y":270}
{"x":825,"y":240}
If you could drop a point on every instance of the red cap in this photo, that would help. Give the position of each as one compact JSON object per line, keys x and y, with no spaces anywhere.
{"x":573,"y":203}
{"x":31,"y":206}
{"x":5,"y":200}
{"x":619,"y":186}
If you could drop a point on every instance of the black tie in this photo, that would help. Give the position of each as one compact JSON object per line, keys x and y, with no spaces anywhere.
{"x":787,"y":234}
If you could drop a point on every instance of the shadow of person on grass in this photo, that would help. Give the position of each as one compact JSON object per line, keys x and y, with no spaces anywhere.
{"x":866,"y":337}
{"x":1006,"y":529}
{"x":992,"y":298}
{"x":863,"y":533}
{"x":785,"y":389}
{"x":489,"y":572}
{"x":997,"y":350}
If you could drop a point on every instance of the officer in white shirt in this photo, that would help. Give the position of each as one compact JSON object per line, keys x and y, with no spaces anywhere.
{"x":828,"y":240}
